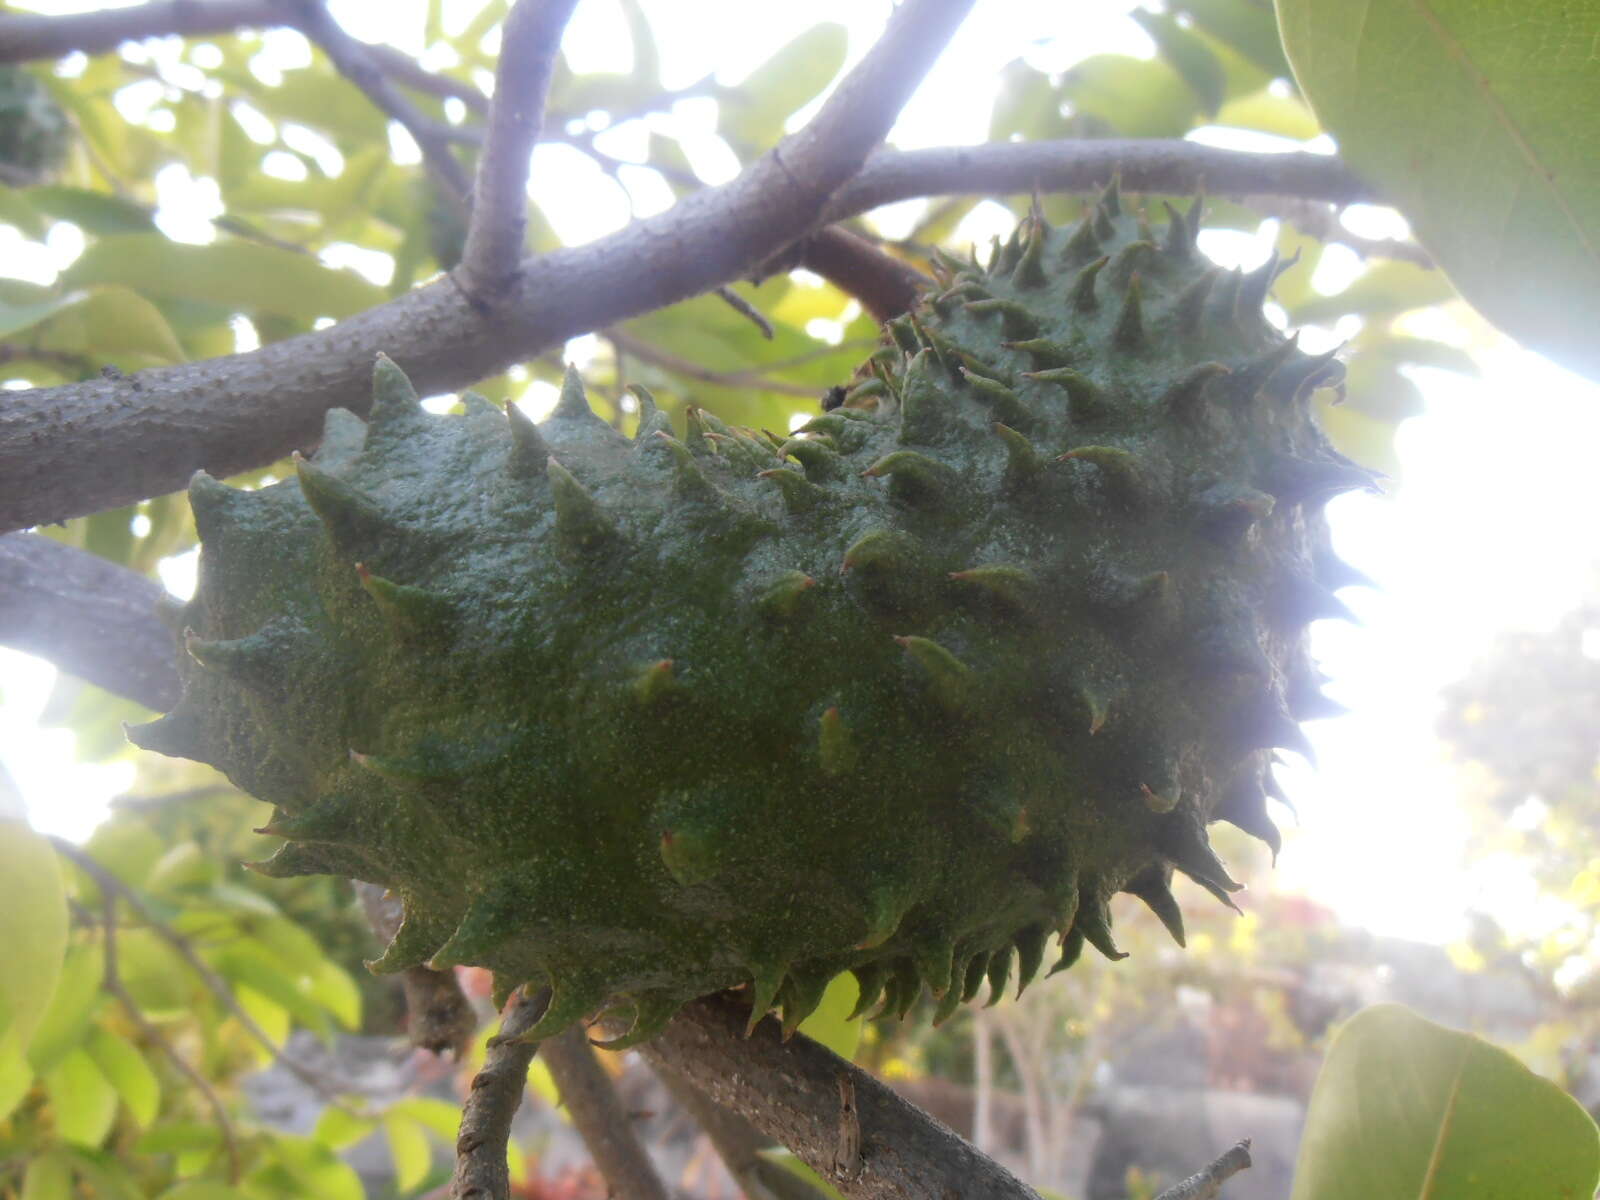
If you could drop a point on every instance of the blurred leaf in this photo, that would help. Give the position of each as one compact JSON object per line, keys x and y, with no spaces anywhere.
{"x":16,"y":1078}
{"x":121,"y":325}
{"x":1249,"y":26}
{"x":830,"y":1024}
{"x":333,"y":989}
{"x":16,"y":210}
{"x":66,"y":1021}
{"x":1188,"y":55}
{"x":784,"y":1160}
{"x":1367,"y":439}
{"x":753,"y":116}
{"x":157,"y":979}
{"x":1285,"y":116}
{"x":175,"y":1136}
{"x":99,"y":213}
{"x":33,"y":928}
{"x":1027,"y":106}
{"x":244,"y":276}
{"x":441,"y":1117}
{"x":202,"y":1189}
{"x":249,"y":962}
{"x":82,"y":1100}
{"x":1406,"y":1108}
{"x":1384,"y":289}
{"x":409,"y":1150}
{"x":339,"y":1129}
{"x":126,"y":1070}
{"x":1485,"y":133}
{"x":1135,"y":97}
{"x":316,"y":1169}
{"x":49,"y":1177}
{"x":127,"y":849}
{"x":14,"y":318}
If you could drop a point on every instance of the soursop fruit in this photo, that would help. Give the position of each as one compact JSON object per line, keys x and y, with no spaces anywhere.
{"x":909,"y":693}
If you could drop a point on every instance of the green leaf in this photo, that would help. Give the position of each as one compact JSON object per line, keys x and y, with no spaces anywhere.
{"x":830,"y":1023}
{"x":1405,"y":1108}
{"x":49,"y":1177}
{"x":202,"y":1189}
{"x":126,"y":1070}
{"x":1480,"y":124}
{"x":1246,"y":25}
{"x":1188,"y":55}
{"x":177,"y":1137}
{"x":14,"y":317}
{"x":1135,"y":97}
{"x":121,"y":325}
{"x":438,"y":1115}
{"x":785,"y":1161}
{"x":33,"y":928}
{"x":754,"y":114}
{"x":316,"y":1169}
{"x":16,"y":1078}
{"x":82,"y":1100}
{"x":409,"y":1149}
{"x":244,"y":276}
{"x":93,"y":212}
{"x":1384,"y":289}
{"x":67,"y":1019}
{"x":339,"y":1129}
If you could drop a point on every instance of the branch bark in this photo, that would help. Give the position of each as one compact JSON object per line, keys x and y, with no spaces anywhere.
{"x":84,"y":447}
{"x":791,"y":1092}
{"x":601,"y":1121}
{"x":481,"y":1172}
{"x":1207,"y":1184}
{"x":25,"y":36}
{"x":90,"y":617}
{"x":438,"y":1015}
{"x":529,"y":46}
{"x":1145,"y":165}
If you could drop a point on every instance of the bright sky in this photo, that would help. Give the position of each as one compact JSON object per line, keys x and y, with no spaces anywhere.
{"x":1488,"y":530}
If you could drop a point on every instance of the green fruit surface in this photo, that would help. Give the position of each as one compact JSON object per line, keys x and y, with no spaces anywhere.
{"x":909,"y":694}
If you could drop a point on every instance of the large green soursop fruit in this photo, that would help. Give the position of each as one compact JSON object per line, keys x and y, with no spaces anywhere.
{"x":908,"y":694}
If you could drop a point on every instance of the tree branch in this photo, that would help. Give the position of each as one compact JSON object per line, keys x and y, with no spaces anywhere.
{"x":597,"y":1112}
{"x":1145,"y":165}
{"x":25,"y":36}
{"x":1207,"y":1183}
{"x":353,"y":59}
{"x":90,"y":617}
{"x":83,"y":447}
{"x":496,"y":1094}
{"x":529,"y":46}
{"x":885,"y":286}
{"x":650,"y":353}
{"x":790,"y":1091}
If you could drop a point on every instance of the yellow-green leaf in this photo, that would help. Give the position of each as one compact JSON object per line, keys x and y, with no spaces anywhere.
{"x":1481,"y":122}
{"x":33,"y":925}
{"x":66,"y":1021}
{"x":16,"y":1077}
{"x":49,"y":1177}
{"x":1408,"y":1110}
{"x":82,"y":1100}
{"x":126,"y":1070}
{"x":786,"y":82}
{"x":409,"y":1149}
{"x":248,"y":277}
{"x":830,"y":1023}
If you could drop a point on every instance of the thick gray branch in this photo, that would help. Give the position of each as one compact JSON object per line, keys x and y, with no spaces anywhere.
{"x":84,"y":447}
{"x":529,"y":45}
{"x":597,"y":1112}
{"x":1146,"y":165}
{"x":25,"y":36}
{"x":791,"y":1092}
{"x":90,"y":617}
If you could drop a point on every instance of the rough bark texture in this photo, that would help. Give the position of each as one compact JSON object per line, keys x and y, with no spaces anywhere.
{"x":791,"y":1092}
{"x":597,"y":1112}
{"x":90,"y":617}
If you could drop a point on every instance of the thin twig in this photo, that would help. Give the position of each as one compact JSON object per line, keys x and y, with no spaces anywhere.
{"x":403,"y":69}
{"x":745,"y":309}
{"x":600,"y":1118}
{"x":214,"y":983}
{"x":649,"y":353}
{"x":885,"y":286}
{"x":481,"y":1172}
{"x":353,"y":60}
{"x":1207,"y":1184}
{"x":530,"y":43}
{"x":111,"y":981}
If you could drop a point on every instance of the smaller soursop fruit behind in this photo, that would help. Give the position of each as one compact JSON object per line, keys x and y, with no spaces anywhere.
{"x":912,"y":693}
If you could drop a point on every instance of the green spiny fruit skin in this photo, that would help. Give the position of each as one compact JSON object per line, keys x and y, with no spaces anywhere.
{"x":643,"y":719}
